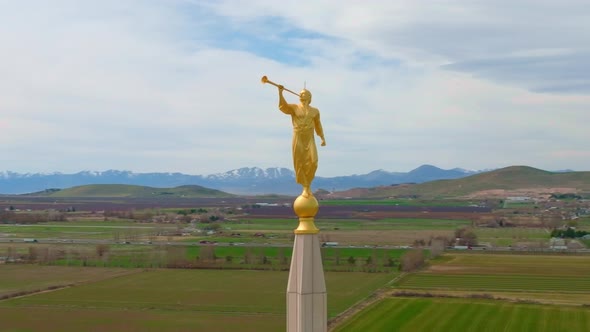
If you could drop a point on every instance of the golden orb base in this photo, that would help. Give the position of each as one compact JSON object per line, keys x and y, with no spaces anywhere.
{"x":306,"y":208}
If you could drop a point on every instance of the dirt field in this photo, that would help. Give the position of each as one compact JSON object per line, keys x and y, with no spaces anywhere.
{"x":25,"y":277}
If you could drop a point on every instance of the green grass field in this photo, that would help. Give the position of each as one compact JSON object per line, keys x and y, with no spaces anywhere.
{"x":492,"y":283}
{"x":227,"y":257}
{"x":584,"y":223}
{"x":282,"y":229}
{"x":423,"y":224}
{"x":436,"y":314}
{"x":538,"y":278}
{"x":348,"y":224}
{"x":518,"y":205}
{"x":495,"y":264}
{"x":328,"y":252}
{"x":510,"y":236}
{"x":258,"y":224}
{"x":173,"y":300}
{"x":99,"y":222}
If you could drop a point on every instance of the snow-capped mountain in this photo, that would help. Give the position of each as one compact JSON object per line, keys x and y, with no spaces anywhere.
{"x":246,"y":180}
{"x":253,"y":173}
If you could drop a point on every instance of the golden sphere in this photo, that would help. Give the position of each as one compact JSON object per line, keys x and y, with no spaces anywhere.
{"x":306,"y":207}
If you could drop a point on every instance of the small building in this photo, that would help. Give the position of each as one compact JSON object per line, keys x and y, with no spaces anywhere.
{"x":518,"y":198}
{"x":557,"y":244}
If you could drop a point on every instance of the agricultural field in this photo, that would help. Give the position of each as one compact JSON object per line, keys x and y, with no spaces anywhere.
{"x":227,"y":268}
{"x":519,"y":205}
{"x":504,"y":237}
{"x":484,"y":292}
{"x":398,"y":202}
{"x":274,"y":231}
{"x":111,"y":230}
{"x":395,"y":224}
{"x":533,"y":277}
{"x":177,"y":300}
{"x":16,"y":278}
{"x":279,"y":229}
{"x":381,"y":232}
{"x":583,"y":224}
{"x":349,"y":224}
{"x":444,"y":314}
{"x":498,"y":283}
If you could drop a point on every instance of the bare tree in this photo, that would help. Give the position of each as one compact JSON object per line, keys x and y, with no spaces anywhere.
{"x":437,"y":247}
{"x":10,"y":253}
{"x":262,"y":259}
{"x":33,"y":254}
{"x":352,"y":261}
{"x":207,"y":254}
{"x":337,"y":257}
{"x":102,"y":250}
{"x":248,"y":256}
{"x":412,"y":260}
{"x":281,"y":256}
{"x":466,"y":236}
{"x":175,"y":256}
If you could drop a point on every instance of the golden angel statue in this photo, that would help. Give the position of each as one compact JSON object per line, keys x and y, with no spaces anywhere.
{"x":306,"y":121}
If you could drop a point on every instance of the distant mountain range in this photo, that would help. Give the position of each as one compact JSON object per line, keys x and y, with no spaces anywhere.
{"x":243,"y":181}
{"x":505,"y":182}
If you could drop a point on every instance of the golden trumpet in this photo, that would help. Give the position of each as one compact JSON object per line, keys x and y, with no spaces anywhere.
{"x":265,"y":79}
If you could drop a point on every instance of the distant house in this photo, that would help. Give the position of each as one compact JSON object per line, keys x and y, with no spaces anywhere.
{"x":518,"y":198}
{"x":559,"y":247}
{"x":267,"y":204}
{"x":557,"y":244}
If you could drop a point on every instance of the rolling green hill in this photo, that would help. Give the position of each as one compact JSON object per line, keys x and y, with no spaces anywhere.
{"x":509,"y":178}
{"x":131,"y":191}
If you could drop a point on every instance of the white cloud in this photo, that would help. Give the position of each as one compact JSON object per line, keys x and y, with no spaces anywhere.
{"x":175,"y":85}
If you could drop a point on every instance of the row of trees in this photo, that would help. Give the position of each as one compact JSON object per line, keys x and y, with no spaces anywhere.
{"x":181,"y":216}
{"x":570,"y":233}
{"x":463,"y":237}
{"x":31,"y":218}
{"x":176,"y":257}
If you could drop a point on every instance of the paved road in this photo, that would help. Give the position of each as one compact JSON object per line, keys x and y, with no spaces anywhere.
{"x":86,"y":226}
{"x":227,"y":244}
{"x":146,"y":243}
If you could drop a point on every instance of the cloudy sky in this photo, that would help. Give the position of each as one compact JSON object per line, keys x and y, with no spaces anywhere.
{"x":174,"y":85}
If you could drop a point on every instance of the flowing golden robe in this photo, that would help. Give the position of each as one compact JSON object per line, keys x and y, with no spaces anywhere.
{"x":306,"y":120}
